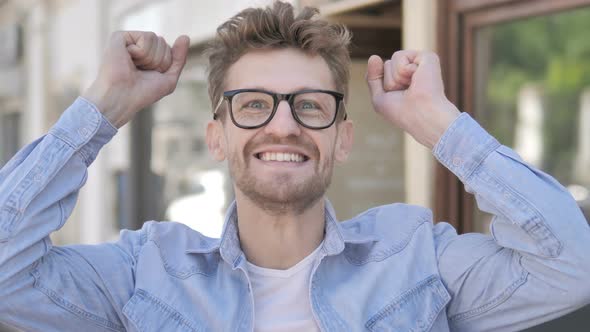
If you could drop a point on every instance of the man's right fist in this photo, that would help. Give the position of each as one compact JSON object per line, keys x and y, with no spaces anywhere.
{"x":138,"y":69}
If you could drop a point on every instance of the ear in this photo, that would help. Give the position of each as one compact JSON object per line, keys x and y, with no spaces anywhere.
{"x":216,"y":140}
{"x":344,"y":141}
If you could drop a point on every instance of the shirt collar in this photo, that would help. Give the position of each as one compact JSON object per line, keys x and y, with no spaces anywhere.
{"x":333,"y":244}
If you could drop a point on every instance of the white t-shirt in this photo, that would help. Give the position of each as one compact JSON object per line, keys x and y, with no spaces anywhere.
{"x":281,"y":297}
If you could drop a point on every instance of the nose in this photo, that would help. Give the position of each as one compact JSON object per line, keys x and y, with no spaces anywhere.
{"x":283,"y":124}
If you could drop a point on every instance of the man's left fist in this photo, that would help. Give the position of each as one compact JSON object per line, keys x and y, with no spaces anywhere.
{"x":408,"y":91}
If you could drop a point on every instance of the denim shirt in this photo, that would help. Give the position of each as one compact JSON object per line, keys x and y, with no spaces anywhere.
{"x":388,"y":269}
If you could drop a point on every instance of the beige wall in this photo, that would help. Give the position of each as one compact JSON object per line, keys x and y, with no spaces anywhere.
{"x":374,"y":173}
{"x":419,"y":33}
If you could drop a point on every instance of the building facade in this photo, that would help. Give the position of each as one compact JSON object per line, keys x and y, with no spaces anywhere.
{"x":158,"y":168}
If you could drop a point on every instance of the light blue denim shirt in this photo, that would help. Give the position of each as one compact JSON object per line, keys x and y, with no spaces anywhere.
{"x":388,"y":269}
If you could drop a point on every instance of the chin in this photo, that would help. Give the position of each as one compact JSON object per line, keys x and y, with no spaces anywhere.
{"x":284,"y":195}
{"x":283,"y":191}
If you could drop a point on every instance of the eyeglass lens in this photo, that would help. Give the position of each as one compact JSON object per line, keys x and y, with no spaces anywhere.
{"x":314,"y":109}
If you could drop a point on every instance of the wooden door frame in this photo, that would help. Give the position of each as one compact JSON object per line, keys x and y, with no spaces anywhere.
{"x":457,"y":23}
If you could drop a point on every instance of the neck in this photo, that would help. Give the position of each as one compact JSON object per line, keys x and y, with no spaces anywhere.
{"x":279,"y":241}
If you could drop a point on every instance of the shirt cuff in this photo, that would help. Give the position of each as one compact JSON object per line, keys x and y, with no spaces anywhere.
{"x":464,"y":146}
{"x":84,"y":128}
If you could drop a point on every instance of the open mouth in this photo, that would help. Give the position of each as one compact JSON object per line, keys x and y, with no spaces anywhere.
{"x":282,"y":157}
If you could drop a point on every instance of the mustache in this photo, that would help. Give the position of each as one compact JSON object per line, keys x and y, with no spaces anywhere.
{"x":306,"y":144}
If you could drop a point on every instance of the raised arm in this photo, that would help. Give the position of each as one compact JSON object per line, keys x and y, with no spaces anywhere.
{"x":534,"y":267}
{"x":43,"y":287}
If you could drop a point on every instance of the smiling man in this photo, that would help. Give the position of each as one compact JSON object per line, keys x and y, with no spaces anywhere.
{"x":281,"y":149}
{"x":278,"y":83}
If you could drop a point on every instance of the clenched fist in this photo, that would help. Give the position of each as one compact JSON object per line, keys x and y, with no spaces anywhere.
{"x":138,"y":69}
{"x":408,"y":91}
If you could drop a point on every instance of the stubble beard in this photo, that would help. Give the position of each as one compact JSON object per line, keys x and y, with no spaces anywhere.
{"x":281,"y":194}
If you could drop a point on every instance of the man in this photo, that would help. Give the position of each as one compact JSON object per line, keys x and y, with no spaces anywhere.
{"x":278,"y":85}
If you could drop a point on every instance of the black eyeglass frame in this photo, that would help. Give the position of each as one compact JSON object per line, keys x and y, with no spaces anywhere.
{"x":277,"y":98}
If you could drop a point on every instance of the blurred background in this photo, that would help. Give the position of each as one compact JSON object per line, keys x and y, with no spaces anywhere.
{"x":520,"y":67}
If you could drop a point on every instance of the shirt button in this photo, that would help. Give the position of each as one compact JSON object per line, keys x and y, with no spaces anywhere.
{"x":421,"y":325}
{"x":38,"y":178}
{"x":84,"y":132}
{"x":457,"y":161}
{"x":93,"y":117}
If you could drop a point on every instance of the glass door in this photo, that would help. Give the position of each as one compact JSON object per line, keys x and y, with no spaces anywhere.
{"x":521,"y":68}
{"x":532,"y":92}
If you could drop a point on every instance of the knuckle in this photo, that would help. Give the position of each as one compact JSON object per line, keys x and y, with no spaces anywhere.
{"x":387,"y":70}
{"x":432,"y":56}
{"x":171,"y":87}
{"x":142,"y":53}
{"x":147,"y":38}
{"x":398,"y":56}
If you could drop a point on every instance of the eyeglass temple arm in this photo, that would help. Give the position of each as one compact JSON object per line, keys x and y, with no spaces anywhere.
{"x":344,"y":109}
{"x":217,"y":107}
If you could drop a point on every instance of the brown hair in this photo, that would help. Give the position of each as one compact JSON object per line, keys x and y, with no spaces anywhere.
{"x":275,"y":27}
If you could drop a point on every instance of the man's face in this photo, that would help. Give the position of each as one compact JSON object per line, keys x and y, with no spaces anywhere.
{"x":282,"y":166}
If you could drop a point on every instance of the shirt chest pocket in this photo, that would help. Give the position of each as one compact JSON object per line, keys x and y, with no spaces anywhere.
{"x":413,"y":311}
{"x":148,"y":313}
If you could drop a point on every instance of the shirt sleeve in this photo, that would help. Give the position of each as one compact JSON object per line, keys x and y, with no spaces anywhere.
{"x":47,"y":288}
{"x":534,"y":265}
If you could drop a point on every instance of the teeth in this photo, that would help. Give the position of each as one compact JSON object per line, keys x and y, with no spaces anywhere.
{"x":279,"y":156}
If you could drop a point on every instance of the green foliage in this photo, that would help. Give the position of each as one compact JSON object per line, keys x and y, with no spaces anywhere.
{"x":504,"y":82}
{"x":552,"y":52}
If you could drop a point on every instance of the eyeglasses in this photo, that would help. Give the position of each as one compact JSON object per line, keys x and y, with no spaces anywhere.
{"x":254,"y":108}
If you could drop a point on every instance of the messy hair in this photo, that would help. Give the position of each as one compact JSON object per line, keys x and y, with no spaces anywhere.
{"x":276,"y":27}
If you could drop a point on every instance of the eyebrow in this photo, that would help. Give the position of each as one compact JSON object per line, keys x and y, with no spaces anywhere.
{"x":299,"y":88}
